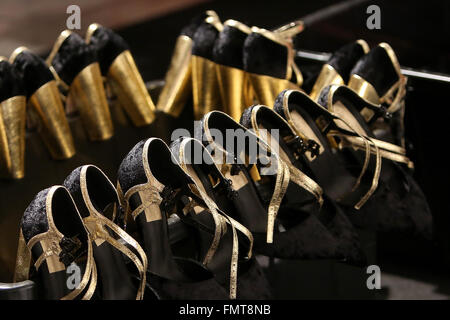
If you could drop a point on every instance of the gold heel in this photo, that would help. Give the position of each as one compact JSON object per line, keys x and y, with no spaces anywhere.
{"x":128,"y":85}
{"x":233,"y":82}
{"x":55,"y":131}
{"x":12,"y":134}
{"x":329,"y":75}
{"x":205,"y":85}
{"x":178,"y":79}
{"x":267,"y":88}
{"x":87,"y":93}
{"x":23,"y":260}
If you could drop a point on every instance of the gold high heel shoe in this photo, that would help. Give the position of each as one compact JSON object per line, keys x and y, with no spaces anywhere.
{"x":12,"y":122}
{"x":389,"y":89}
{"x":44,"y":97}
{"x":178,"y":79}
{"x":119,"y":68}
{"x":234,"y":85}
{"x":205,"y":86}
{"x":269,"y":62}
{"x":338,"y":67}
{"x":76,"y":69}
{"x":386,"y":87}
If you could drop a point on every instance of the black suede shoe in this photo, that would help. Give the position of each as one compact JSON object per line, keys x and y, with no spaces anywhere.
{"x":12,"y":128}
{"x":377,"y":77}
{"x":77,"y":71}
{"x":234,"y":84}
{"x":269,"y":63}
{"x":178,"y":80}
{"x":302,"y":153}
{"x":154,"y":186}
{"x":337,"y":69}
{"x":198,"y":163}
{"x":43,"y":95}
{"x":60,"y":246}
{"x":267,"y":196}
{"x":205,"y":86}
{"x":399,"y":205}
{"x":95,"y":196}
{"x":118,"y":66}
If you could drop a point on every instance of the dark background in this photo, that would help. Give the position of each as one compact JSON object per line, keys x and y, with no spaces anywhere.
{"x":417,"y":30}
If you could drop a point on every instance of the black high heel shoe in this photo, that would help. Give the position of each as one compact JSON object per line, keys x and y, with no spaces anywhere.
{"x":316,"y":127}
{"x":95,"y":195}
{"x":178,"y":80}
{"x":152,"y":187}
{"x":43,"y":95}
{"x":118,"y":66}
{"x":337,"y":69}
{"x":205,"y":86}
{"x":268,"y":196}
{"x":269,"y":63}
{"x":234,"y":85}
{"x":52,"y":230}
{"x":300,"y":153}
{"x":377,"y":78}
{"x":402,"y":206}
{"x":75,"y":66}
{"x":198,"y":163}
{"x":12,"y":124}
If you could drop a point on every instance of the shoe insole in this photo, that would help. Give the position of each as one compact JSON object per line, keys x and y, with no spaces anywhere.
{"x":343,"y":112}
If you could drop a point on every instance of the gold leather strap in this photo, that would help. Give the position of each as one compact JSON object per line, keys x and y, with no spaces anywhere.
{"x":100,"y":229}
{"x":368,"y":145}
{"x":90,"y":273}
{"x":225,"y":219}
{"x":96,"y":226}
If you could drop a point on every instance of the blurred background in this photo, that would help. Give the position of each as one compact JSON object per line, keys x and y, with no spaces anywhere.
{"x":419,"y":32}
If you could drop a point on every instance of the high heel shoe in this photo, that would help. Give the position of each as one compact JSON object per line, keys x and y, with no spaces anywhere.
{"x":198,"y":163}
{"x":386,"y":86}
{"x":205,"y":85}
{"x":43,"y":95}
{"x":234,"y":85}
{"x":12,"y":123}
{"x":118,"y":66}
{"x":95,"y":195}
{"x":337,"y":69}
{"x":269,"y":193}
{"x":152,"y":185}
{"x":178,"y":79}
{"x":316,"y":127}
{"x":301,"y":153}
{"x":75,"y":66}
{"x":401,"y":205}
{"x":53,"y":232}
{"x":269,"y":63}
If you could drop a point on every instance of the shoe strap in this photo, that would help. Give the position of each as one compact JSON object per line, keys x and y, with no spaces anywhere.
{"x":370,"y":147}
{"x":100,"y":228}
{"x":98,"y":225}
{"x":53,"y":239}
{"x":221,"y":220}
